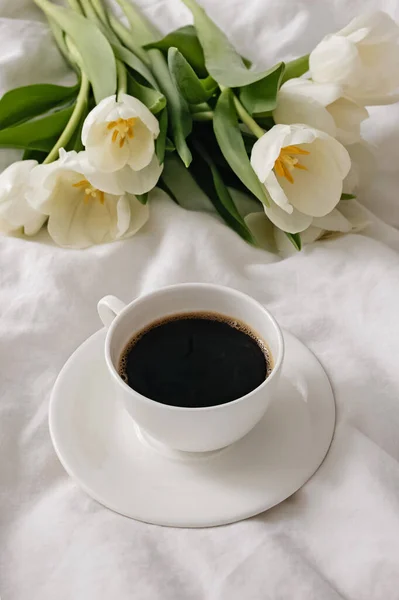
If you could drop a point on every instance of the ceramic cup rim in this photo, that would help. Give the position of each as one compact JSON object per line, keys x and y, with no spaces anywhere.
{"x":187,"y":409}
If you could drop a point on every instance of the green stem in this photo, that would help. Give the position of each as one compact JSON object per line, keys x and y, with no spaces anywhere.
{"x":203,"y":116}
{"x":73,"y":120}
{"x":202,"y":107}
{"x":247,"y":119}
{"x":59,"y":39}
{"x":126,"y":37}
{"x":100,"y":10}
{"x":142,"y":29}
{"x":75,"y":5}
{"x":89,"y":11}
{"x":74,"y":53}
{"x":296,"y":68}
{"x":245,"y":116}
{"x":94,"y":11}
{"x":122,"y":77}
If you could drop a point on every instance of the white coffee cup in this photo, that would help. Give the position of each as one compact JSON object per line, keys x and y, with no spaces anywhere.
{"x":181,"y":428}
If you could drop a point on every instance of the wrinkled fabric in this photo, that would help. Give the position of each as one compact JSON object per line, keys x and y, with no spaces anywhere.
{"x":338,"y":537}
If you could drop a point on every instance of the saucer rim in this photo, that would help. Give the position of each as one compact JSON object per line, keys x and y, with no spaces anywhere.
{"x":52,"y":419}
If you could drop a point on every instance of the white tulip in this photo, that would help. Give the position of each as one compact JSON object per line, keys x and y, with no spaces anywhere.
{"x":320,"y":105}
{"x":348,"y":217}
{"x":119,"y":137}
{"x":363,"y":58}
{"x":302,"y":169}
{"x":16,"y":215}
{"x":81,"y":212}
{"x":363,"y":167}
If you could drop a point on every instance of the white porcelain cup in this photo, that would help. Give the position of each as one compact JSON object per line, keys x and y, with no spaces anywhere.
{"x":191,"y":429}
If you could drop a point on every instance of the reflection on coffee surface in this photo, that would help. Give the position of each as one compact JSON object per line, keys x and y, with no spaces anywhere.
{"x":195,"y":360}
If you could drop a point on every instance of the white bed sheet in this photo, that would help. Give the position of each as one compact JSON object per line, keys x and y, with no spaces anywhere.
{"x":338,"y":537}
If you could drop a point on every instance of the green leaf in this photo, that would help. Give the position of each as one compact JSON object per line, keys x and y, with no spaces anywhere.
{"x":97,"y":57}
{"x":134,"y":62}
{"x":222,"y":61}
{"x":348,"y":196}
{"x":59,"y":38}
{"x":201,"y":107}
{"x":34,"y":155}
{"x":75,"y":143}
{"x":142,"y":198}
{"x":160,"y":142}
{"x":262,"y":230}
{"x":186,"y":41}
{"x":153,"y":99}
{"x":296,"y":68}
{"x":142,"y":30}
{"x":128,"y":38}
{"x":23,"y":103}
{"x":180,"y":120}
{"x":169,"y":145}
{"x":182,"y":187}
{"x":212,"y":183}
{"x":40,"y":134}
{"x":193,"y":90}
{"x":295,"y":239}
{"x":266,"y":122}
{"x":231,"y":143}
{"x":261,"y":97}
{"x":246,"y":204}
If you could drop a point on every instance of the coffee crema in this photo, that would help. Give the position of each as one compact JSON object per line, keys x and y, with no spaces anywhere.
{"x":195,"y":360}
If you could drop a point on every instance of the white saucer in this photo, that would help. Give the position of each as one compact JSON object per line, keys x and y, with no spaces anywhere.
{"x":100,"y":447}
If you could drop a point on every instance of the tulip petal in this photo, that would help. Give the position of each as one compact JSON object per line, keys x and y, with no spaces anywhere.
{"x":363,"y":57}
{"x":324,"y":93}
{"x":139,"y":182}
{"x":122,"y":216}
{"x":141,"y":147}
{"x":296,"y":108}
{"x":357,"y":215}
{"x":380,"y":64}
{"x":139,"y":214}
{"x":16,"y":172}
{"x":38,"y":192}
{"x":348,"y":116}
{"x":277,"y":193}
{"x":77,"y":224}
{"x":292,"y":223}
{"x":267,"y":149}
{"x":338,"y":154}
{"x":15,"y":212}
{"x":132,"y":107}
{"x":317,"y":190}
{"x":99,"y":114}
{"x":335,"y":59}
{"x":311,"y":234}
{"x":303,"y":134}
{"x":107,"y":182}
{"x":104,"y":153}
{"x":375,"y":27}
{"x":363,"y":166}
{"x":332,"y":148}
{"x":334,"y":221}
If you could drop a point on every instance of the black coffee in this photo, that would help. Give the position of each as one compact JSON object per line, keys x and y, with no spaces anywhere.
{"x":195,"y":360}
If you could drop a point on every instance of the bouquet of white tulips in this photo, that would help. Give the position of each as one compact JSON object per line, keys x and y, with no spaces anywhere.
{"x":269,"y":152}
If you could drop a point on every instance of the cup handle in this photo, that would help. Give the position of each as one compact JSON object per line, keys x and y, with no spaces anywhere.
{"x":108,"y":308}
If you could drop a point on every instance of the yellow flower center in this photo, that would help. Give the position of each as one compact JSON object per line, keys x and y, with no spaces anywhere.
{"x":90,"y":191}
{"x":123,"y":128}
{"x":287,"y":162}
